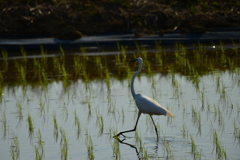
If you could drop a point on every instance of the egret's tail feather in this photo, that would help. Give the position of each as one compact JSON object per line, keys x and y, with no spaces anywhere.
{"x":170,"y":114}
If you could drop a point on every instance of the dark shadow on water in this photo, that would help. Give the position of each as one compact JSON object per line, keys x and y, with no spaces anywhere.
{"x":130,"y":145}
{"x":140,"y":154}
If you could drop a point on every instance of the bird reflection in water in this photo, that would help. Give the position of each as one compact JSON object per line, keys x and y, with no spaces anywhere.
{"x":140,"y":154}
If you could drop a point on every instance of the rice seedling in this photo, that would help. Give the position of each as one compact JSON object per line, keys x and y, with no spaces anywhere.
{"x":65,"y":77}
{"x":235,"y":48}
{"x":196,"y":154}
{"x":122,"y":57}
{"x":56,"y":65}
{"x":90,"y":147}
{"x":62,"y":55}
{"x":158,"y":47}
{"x":236,"y":131}
{"x":144,"y":52}
{"x":5,"y":59}
{"x":24,"y":54}
{"x":86,"y":76}
{"x":39,"y":149}
{"x":15,"y":148}
{"x":168,"y":149}
{"x":202,"y":98}
{"x":38,"y":154}
{"x":220,"y":150}
{"x":63,"y":144}
{"x":221,"y":44}
{"x":195,"y":115}
{"x":19,"y":111}
{"x":220,"y":119}
{"x":77,"y":65}
{"x":123,"y":116}
{"x":108,"y":79}
{"x":23,"y":75}
{"x":101,"y":125}
{"x":55,"y":129}
{"x":44,"y":57}
{"x":137,"y":137}
{"x":184,"y":131}
{"x":231,"y":64}
{"x":41,"y":107}
{"x":193,"y":146}
{"x":112,"y":107}
{"x":141,"y":147}
{"x":77,"y":124}
{"x":98,"y":62}
{"x":83,"y":51}
{"x":149,"y":71}
{"x":65,"y":111}
{"x":116,"y":149}
{"x":4,"y":124}
{"x":30,"y":126}
{"x":146,"y":154}
{"x":44,"y":79}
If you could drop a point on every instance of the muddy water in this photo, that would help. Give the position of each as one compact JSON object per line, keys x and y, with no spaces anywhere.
{"x":78,"y":103}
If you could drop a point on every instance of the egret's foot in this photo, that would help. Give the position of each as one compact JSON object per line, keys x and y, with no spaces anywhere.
{"x":116,"y":136}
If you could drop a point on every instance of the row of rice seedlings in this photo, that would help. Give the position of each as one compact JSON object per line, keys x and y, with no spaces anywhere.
{"x":61,"y":69}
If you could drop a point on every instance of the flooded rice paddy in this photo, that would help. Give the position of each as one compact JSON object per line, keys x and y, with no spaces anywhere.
{"x":70,"y":106}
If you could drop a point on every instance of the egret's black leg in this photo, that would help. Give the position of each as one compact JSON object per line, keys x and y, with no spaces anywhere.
{"x":154,"y":126}
{"x":139,"y":114}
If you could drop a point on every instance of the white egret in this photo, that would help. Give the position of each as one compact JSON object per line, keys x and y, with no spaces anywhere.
{"x":145,"y":104}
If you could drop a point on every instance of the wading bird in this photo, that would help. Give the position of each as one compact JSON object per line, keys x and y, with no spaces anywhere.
{"x":145,"y":104}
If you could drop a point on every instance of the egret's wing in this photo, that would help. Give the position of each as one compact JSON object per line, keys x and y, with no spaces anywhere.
{"x":148,"y":105}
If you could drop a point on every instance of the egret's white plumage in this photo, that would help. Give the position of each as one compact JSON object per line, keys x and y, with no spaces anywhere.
{"x":146,"y":104}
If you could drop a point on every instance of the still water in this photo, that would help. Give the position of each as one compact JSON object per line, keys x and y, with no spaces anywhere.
{"x":74,"y":114}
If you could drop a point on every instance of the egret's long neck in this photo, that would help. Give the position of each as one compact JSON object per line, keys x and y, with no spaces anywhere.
{"x":133,"y":78}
